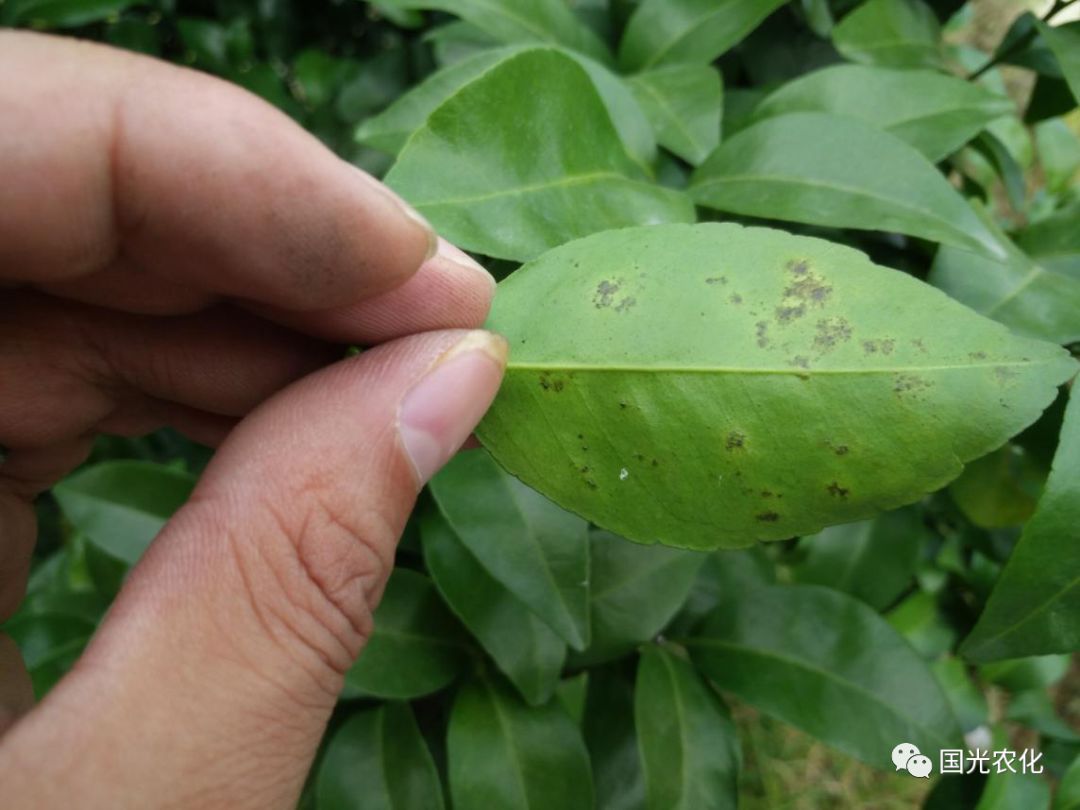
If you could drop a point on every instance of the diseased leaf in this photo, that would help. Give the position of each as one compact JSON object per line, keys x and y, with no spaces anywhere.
{"x":829,"y":665}
{"x":634,"y":591}
{"x":934,"y":112}
{"x":873,"y":560}
{"x":538,"y":551}
{"x":688,"y":743}
{"x":1064,"y":41}
{"x":529,"y":653}
{"x":688,"y":31}
{"x":377,"y":760}
{"x":500,"y":169}
{"x":504,"y":754}
{"x":890,"y":33}
{"x":832,"y":170}
{"x":684,"y":103}
{"x":697,"y":387}
{"x":417,"y":647}
{"x":513,"y":21}
{"x":121,"y":505}
{"x":1034,"y":607}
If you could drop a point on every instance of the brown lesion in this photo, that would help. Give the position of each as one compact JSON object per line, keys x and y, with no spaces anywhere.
{"x":837,"y":491}
{"x":767,"y":517}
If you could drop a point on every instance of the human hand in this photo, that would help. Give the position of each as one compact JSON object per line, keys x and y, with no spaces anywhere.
{"x":173,"y":251}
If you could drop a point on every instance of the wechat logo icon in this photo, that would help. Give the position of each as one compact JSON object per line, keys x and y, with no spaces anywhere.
{"x":906,"y":757}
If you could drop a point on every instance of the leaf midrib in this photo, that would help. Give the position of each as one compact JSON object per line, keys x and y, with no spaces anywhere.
{"x":559,"y":182}
{"x":797,"y":371}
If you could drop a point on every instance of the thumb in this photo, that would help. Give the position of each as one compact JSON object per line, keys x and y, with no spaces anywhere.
{"x":215,"y":672}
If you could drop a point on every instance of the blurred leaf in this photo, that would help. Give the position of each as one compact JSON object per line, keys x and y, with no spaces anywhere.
{"x":832,"y":170}
{"x":512,"y":21}
{"x":634,"y":591}
{"x":504,"y":754}
{"x":1055,"y":243}
{"x":999,"y":489}
{"x":473,"y":169}
{"x":612,"y":740}
{"x":920,"y":622}
{"x":50,"y":643}
{"x":1033,"y":609}
{"x":377,"y":760}
{"x":1033,"y":672}
{"x":121,"y":505}
{"x":524,"y":648}
{"x":538,"y":551}
{"x":684,"y":104}
{"x":1034,"y":709}
{"x":456,"y":41}
{"x":1068,"y":793}
{"x":416,"y":648}
{"x":1064,"y":41}
{"x":723,"y":575}
{"x":1011,"y":791}
{"x":688,"y":743}
{"x":890,"y":33}
{"x":1008,"y":170}
{"x":873,"y":560}
{"x":694,"y":31}
{"x":933,"y":112}
{"x":62,"y":13}
{"x":964,"y":695}
{"x":829,"y":665}
{"x":1059,"y":156}
{"x":571,"y":694}
{"x":819,"y":16}
{"x":1051,"y":97}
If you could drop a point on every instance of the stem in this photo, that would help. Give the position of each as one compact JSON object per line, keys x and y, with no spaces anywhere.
{"x":1022,"y":42}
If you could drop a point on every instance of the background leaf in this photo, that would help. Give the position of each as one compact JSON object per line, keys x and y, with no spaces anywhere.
{"x":688,"y":742}
{"x":827,"y":664}
{"x":498,"y":171}
{"x":890,"y":33}
{"x":759,"y":439}
{"x":1034,"y":606}
{"x":609,"y":731}
{"x":684,"y":104}
{"x":505,"y":754}
{"x":1064,"y":42}
{"x":538,"y":551}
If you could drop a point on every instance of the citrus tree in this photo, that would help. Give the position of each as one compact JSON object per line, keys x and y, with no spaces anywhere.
{"x":785,"y":440}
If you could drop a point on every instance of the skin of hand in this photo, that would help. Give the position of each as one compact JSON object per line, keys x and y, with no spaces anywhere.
{"x":174,"y":251}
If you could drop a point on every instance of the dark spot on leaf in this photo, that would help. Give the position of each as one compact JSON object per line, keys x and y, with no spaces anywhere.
{"x":716,"y":280}
{"x":977,"y":355}
{"x":800,"y":362}
{"x":1003,"y":374}
{"x":837,"y":491}
{"x":591,"y":483}
{"x":909,"y":384}
{"x":735,"y":439}
{"x":625,"y":304}
{"x":798,"y":267}
{"x":788,"y":314}
{"x":831,"y":332}
{"x":918,"y":344}
{"x":605,"y":293}
{"x":766,"y":493}
{"x":655,"y":463}
{"x":735,"y":299}
{"x":767,"y":517}
{"x":762,"y":332}
{"x":841,"y":449}
{"x":622,"y":405}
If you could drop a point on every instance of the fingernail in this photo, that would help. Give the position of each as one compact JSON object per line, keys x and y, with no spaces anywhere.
{"x":409,"y":212}
{"x":455,"y":255}
{"x":437,"y":415}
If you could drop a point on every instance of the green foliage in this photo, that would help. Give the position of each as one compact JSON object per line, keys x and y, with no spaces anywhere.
{"x":703,"y":386}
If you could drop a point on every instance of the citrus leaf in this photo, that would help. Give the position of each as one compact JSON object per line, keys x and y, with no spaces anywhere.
{"x":829,"y":665}
{"x":1054,"y":242}
{"x":684,"y":103}
{"x":377,"y":760}
{"x":891,"y":33}
{"x":833,"y":170}
{"x":528,"y":652}
{"x":704,"y":386}
{"x":694,"y":31}
{"x":688,"y":743}
{"x":501,"y":168}
{"x":121,"y":505}
{"x":1064,"y":42}
{"x":608,"y":726}
{"x":934,"y":112}
{"x":538,"y":551}
{"x":504,"y":754}
{"x":417,"y":647}
{"x":1033,"y":608}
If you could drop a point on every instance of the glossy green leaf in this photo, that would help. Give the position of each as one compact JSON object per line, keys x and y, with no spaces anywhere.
{"x":513,"y":21}
{"x":722,"y":575}
{"x":1034,"y":607}
{"x":417,"y":647}
{"x":390,"y":129}
{"x":500,"y":171}
{"x":684,"y":104}
{"x":571,"y":692}
{"x":688,"y":743}
{"x":695,"y":31}
{"x":121,"y":505}
{"x":829,"y":665}
{"x":502,"y":753}
{"x":634,"y":591}
{"x":752,"y":344}
{"x":873,"y":560}
{"x":1006,"y":168}
{"x":1055,"y":242}
{"x":890,"y":33}
{"x":539,"y":552}
{"x":528,"y":652}
{"x":612,"y":740}
{"x":837,"y":171}
{"x":378,"y":761}
{"x":934,"y":112}
{"x":1064,"y":42}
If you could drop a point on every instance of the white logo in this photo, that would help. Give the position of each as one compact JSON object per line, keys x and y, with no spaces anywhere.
{"x":906,"y":757}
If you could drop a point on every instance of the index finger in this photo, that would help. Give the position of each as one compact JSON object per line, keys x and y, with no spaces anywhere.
{"x":114,"y":163}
